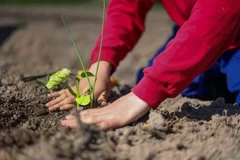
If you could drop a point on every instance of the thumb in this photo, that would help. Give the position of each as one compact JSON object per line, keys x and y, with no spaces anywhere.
{"x":103,"y":98}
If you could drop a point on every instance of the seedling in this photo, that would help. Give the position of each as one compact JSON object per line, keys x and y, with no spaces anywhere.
{"x":44,"y":80}
{"x":60,"y":76}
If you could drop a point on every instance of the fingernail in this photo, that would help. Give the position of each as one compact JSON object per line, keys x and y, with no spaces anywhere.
{"x":103,"y":104}
{"x":51,"y":109}
{"x":68,"y":117}
{"x":63,"y":122}
{"x":49,"y":103}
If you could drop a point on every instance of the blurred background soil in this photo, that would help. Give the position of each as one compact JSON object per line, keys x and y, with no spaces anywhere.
{"x":38,"y":43}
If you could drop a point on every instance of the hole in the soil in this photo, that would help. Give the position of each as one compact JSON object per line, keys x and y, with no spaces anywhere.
{"x":6,"y":31}
{"x":158,"y":134}
{"x":181,"y":147}
{"x":180,"y":127}
{"x":112,"y":138}
{"x":212,"y":134}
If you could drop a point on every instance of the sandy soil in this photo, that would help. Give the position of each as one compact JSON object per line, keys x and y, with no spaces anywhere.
{"x":180,"y":128}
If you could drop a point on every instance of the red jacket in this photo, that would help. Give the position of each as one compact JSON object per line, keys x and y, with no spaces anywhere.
{"x":208,"y":28}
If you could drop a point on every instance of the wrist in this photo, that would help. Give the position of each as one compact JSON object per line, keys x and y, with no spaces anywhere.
{"x":105,"y":68}
{"x":150,"y":91}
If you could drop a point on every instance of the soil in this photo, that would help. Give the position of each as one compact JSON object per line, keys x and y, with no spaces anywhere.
{"x":181,"y":128}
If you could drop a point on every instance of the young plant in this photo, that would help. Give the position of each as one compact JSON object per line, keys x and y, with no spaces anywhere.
{"x":63,"y":75}
{"x":60,"y":76}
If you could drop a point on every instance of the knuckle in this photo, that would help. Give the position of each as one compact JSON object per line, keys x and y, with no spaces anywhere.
{"x":72,"y":98}
{"x":68,"y":100}
{"x":99,"y":101}
{"x":65,"y":93}
{"x":65,"y":107}
{"x":63,"y":96}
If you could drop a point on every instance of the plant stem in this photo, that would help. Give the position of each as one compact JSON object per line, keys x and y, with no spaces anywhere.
{"x":101,"y":41}
{"x":77,"y":89}
{"x":78,"y":93}
{"x":76,"y":82}
{"x":79,"y":56}
{"x":71,"y":91}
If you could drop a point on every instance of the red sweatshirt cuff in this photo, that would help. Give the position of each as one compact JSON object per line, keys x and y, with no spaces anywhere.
{"x":107,"y":55}
{"x":150,"y":91}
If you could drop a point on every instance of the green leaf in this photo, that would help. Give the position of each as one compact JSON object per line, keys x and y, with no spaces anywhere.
{"x":71,"y":91}
{"x":83,"y":100}
{"x":40,"y":82}
{"x":48,"y":77}
{"x":86,"y":74}
{"x":57,"y":78}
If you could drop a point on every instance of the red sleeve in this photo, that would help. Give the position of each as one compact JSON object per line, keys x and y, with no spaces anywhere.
{"x":210,"y":30}
{"x":123,"y":28}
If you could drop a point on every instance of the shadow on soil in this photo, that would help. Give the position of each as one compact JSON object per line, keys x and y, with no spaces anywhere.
{"x":5,"y":32}
{"x":199,"y":112}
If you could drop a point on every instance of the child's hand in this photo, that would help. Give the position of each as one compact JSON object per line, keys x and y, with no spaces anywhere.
{"x":63,"y":100}
{"x":121,"y":112}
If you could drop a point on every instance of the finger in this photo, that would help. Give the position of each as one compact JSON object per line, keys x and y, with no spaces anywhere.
{"x":54,"y":94}
{"x":67,"y":107}
{"x":64,"y":103}
{"x":67,"y":100}
{"x":69,"y":123}
{"x":95,"y":111}
{"x":104,"y":95}
{"x":81,"y":114}
{"x":53,"y":108}
{"x":99,"y":89}
{"x":69,"y":117}
{"x":102,"y":103}
{"x":91,"y":119}
{"x":103,"y":98}
{"x":56,"y":101}
{"x":84,"y":86}
{"x":105,"y":125}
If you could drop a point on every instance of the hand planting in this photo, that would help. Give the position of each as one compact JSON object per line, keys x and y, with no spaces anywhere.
{"x":86,"y":97}
{"x":61,"y":76}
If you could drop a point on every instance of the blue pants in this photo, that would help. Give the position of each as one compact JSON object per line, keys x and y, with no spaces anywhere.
{"x":221,"y":80}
